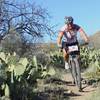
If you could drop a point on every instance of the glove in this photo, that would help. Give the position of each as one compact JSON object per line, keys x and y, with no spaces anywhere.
{"x":60,"y":46}
{"x":86,"y":43}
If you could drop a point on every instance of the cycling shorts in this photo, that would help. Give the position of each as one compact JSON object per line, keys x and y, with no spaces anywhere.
{"x":65,"y":46}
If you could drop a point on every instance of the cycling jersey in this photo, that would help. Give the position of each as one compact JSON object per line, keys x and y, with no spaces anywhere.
{"x":70,"y":36}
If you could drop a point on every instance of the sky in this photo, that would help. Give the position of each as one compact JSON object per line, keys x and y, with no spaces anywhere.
{"x":85,"y":13}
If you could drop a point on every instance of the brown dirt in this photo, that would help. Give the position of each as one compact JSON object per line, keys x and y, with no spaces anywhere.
{"x":76,"y":95}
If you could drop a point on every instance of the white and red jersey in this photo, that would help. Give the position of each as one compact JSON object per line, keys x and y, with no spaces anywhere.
{"x":70,"y":36}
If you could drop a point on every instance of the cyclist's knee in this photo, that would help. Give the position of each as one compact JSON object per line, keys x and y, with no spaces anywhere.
{"x":66,"y":56}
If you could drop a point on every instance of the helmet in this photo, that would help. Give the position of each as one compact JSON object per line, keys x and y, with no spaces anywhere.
{"x":68,"y":20}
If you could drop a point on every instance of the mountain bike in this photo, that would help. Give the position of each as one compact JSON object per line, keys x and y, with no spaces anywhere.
{"x":74,"y":63}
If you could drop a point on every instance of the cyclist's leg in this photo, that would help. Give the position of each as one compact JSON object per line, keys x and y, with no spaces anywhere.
{"x":65,"y":55}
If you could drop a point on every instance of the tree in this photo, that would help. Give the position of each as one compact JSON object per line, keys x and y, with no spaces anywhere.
{"x":28,"y":19}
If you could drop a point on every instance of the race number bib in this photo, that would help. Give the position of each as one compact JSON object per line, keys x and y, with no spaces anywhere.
{"x":73,"y":48}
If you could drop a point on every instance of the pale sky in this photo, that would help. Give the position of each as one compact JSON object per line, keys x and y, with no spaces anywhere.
{"x":85,"y":12}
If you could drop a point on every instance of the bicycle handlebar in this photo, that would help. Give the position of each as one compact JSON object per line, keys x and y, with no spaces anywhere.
{"x":83,"y":44}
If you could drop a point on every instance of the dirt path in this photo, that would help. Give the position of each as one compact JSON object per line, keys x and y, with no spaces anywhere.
{"x":88,"y":90}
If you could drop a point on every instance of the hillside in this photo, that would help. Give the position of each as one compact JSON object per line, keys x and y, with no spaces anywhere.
{"x":95,"y":39}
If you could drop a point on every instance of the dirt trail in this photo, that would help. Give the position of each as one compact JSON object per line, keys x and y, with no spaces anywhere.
{"x":88,"y":90}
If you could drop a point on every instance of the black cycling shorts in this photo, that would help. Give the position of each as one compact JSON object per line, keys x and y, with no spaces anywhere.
{"x":65,"y":46}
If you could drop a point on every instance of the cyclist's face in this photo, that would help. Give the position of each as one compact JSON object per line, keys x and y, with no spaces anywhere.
{"x":70,"y":26}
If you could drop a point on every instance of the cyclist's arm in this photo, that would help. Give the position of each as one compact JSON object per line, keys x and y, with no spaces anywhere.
{"x":60,"y":35}
{"x":84,"y":35}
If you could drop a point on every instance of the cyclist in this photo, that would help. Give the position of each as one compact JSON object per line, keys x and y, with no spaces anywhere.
{"x":68,"y":36}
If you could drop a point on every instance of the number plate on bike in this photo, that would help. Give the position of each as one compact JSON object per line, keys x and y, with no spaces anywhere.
{"x":73,"y":48}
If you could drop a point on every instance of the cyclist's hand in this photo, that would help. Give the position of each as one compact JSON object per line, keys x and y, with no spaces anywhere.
{"x":86,"y":43}
{"x":60,"y":47}
{"x":83,"y":43}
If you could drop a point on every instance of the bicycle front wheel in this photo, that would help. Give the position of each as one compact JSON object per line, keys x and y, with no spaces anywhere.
{"x":76,"y":73}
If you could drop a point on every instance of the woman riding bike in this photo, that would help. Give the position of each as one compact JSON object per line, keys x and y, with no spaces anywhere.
{"x":68,"y":37}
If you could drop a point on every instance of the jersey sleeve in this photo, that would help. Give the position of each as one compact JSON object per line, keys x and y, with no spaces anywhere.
{"x":77,"y":27}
